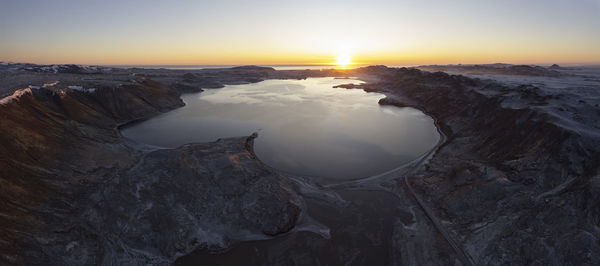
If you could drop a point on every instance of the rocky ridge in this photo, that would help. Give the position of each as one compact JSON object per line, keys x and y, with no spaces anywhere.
{"x":502,"y":69}
{"x":517,"y":179}
{"x":75,"y":192}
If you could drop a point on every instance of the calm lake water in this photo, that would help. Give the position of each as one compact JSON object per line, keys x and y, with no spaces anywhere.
{"x":305,"y":127}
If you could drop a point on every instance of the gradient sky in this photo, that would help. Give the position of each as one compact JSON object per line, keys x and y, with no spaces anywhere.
{"x":299,"y":32}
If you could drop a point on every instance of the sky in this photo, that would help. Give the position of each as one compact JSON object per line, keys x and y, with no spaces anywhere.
{"x":299,"y":32}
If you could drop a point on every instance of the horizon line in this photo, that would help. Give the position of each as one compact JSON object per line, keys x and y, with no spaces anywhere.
{"x":313,"y":64}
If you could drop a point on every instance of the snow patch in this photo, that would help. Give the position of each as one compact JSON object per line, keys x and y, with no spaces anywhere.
{"x":52,"y":84}
{"x":71,"y":245}
{"x":82,"y":89}
{"x":15,"y":96}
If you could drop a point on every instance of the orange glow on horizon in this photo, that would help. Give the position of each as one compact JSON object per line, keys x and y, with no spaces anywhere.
{"x":390,"y":57}
{"x":186,"y":55}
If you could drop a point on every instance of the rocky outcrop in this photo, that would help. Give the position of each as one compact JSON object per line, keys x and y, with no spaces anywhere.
{"x":502,"y":69}
{"x":198,"y":81}
{"x":75,"y":192}
{"x":554,"y":66}
{"x":64,"y":69}
{"x":515,"y":182}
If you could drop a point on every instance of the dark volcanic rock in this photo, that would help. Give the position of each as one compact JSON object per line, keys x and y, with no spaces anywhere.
{"x":347,"y":86}
{"x":513,"y":180}
{"x":72,"y":69}
{"x":502,"y":69}
{"x":63,"y":69}
{"x":526,"y":70}
{"x":74,"y":192}
{"x":185,"y":88}
{"x":197,"y":81}
{"x":554,"y":66}
{"x":175,"y":200}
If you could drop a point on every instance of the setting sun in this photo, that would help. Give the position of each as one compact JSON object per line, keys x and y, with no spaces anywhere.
{"x":343,"y":59}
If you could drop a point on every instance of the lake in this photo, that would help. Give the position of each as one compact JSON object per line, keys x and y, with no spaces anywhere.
{"x":305,"y":127}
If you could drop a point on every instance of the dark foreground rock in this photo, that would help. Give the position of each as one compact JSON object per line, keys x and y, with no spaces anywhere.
{"x":516,"y":181}
{"x":74,"y":192}
{"x":169,"y":203}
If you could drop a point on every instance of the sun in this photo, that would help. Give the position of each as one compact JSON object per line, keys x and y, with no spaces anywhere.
{"x":343,"y":60}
